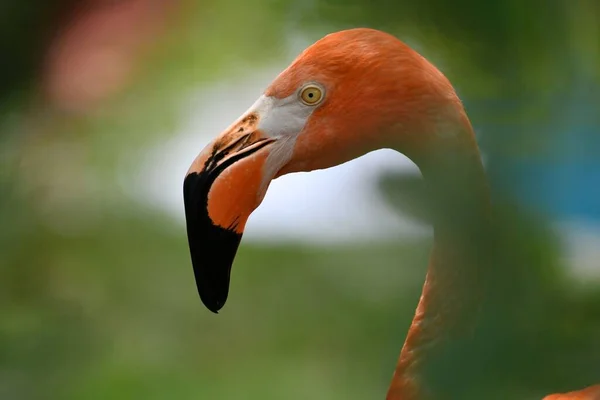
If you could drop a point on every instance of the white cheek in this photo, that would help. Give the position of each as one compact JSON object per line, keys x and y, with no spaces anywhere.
{"x":281,"y":117}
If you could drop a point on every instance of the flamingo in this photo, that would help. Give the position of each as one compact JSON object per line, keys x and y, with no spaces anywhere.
{"x":350,"y":93}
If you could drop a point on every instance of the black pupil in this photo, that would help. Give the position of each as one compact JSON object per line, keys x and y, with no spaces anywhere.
{"x":310,"y":95}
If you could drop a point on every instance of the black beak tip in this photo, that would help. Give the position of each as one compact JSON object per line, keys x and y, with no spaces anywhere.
{"x":214,"y":306}
{"x":212,"y":257}
{"x":213,"y":296}
{"x":212,"y":248}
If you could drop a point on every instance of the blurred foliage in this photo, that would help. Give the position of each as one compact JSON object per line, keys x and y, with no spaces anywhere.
{"x":98,"y":298}
{"x":22,"y":49}
{"x":130,"y":324}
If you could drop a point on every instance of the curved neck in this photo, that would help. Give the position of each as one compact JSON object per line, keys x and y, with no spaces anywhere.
{"x":447,"y":309}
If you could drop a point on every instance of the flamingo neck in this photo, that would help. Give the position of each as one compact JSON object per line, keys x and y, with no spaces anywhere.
{"x":451,"y":296}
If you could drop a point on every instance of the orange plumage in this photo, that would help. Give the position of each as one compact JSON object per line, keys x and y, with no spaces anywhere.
{"x":590,"y":393}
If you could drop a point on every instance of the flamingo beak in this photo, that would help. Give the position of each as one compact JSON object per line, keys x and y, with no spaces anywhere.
{"x":224,"y":185}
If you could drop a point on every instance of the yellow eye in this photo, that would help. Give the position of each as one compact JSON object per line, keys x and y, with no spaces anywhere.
{"x":311,"y":95}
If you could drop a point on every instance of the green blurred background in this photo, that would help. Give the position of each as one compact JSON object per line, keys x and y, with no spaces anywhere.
{"x":98,"y":296}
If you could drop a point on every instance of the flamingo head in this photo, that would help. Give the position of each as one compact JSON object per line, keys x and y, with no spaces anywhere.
{"x":348,"y":94}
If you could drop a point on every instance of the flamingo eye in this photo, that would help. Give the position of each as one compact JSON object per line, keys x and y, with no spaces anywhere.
{"x":311,"y":95}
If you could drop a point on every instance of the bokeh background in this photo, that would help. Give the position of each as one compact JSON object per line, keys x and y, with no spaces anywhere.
{"x":103,"y":106}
